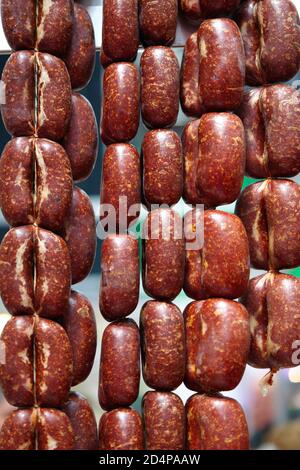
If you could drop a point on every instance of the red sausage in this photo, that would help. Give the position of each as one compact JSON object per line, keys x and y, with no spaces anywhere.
{"x":164,"y":421}
{"x":215,"y":422}
{"x":80,"y":235}
{"x":221,"y":162}
{"x":158,"y":21}
{"x":163,"y":254}
{"x":119,"y":365}
{"x":120,"y":276}
{"x":217,"y":342}
{"x":160,"y":83}
{"x":121,"y":185}
{"x":272,"y":301}
{"x":120,"y":112}
{"x":270,"y":211}
{"x":191,"y":102}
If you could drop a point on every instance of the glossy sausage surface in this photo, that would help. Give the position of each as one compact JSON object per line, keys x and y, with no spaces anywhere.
{"x":164,"y":421}
{"x":80,"y":235}
{"x":120,"y":112}
{"x":162,"y":167}
{"x":221,"y":49}
{"x":119,"y":365}
{"x":207,"y":272}
{"x":120,"y":277}
{"x":215,"y":422}
{"x":120,"y":35}
{"x":270,"y":212}
{"x":217,"y":341}
{"x":163,"y":345}
{"x":221,"y":162}
{"x":163,"y":254}
{"x":160,"y":82}
{"x":81,"y":52}
{"x":272,"y":301}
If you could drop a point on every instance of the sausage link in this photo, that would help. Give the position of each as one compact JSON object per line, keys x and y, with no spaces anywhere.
{"x":256,"y":154}
{"x":160,"y":83}
{"x":105,"y":61}
{"x":272,"y":301}
{"x":80,"y":325}
{"x":18,"y":430}
{"x":53,"y":363}
{"x":19,"y":23}
{"x":37,"y":429}
{"x":53,"y":185}
{"x":121,"y":185}
{"x":120,"y":34}
{"x":119,"y":365}
{"x":16,"y":178}
{"x":81,"y":139}
{"x":221,"y":162}
{"x":217,"y":342}
{"x":120,"y":278}
{"x":45,"y":289}
{"x":81,"y":53}
{"x":207,"y":272}
{"x":270,"y":211}
{"x":120,"y":112}
{"x":158,"y":21}
{"x":163,"y":345}
{"x":163,"y":254}
{"x":16,"y":271}
{"x":221,"y":49}
{"x":191,"y":10}
{"x":247,"y":22}
{"x":18,"y":109}
{"x":270,"y":31}
{"x":271,"y":118}
{"x":121,"y":429}
{"x":218,"y":7}
{"x":189,"y":79}
{"x":54,"y":26}
{"x":54,"y":96}
{"x":83,"y":422}
{"x":190,"y":147}
{"x":164,"y":421}
{"x":33,"y":188}
{"x":54,"y":430}
{"x":215,"y":422}
{"x":162,"y":167}
{"x":80,"y":235}
{"x":24,"y":71}
{"x":16,"y":372}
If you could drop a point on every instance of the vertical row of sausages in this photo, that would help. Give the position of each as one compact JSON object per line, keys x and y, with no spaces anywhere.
{"x":50,"y":341}
{"x":208,"y":168}
{"x":270,"y":209}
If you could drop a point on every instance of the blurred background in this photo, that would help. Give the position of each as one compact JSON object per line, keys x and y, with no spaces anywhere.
{"x":274,"y":420}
